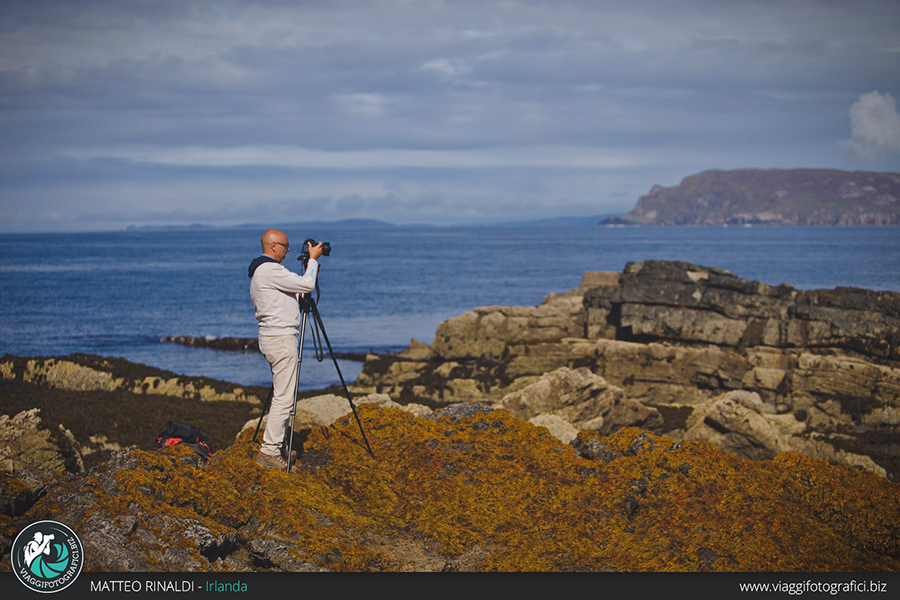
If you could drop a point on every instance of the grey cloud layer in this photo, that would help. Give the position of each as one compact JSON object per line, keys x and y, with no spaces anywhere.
{"x":102,"y":101}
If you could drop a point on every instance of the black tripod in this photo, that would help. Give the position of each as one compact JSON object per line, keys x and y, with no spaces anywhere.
{"x":308,"y":307}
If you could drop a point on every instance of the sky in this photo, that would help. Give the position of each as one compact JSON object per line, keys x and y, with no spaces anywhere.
{"x":174,"y":112}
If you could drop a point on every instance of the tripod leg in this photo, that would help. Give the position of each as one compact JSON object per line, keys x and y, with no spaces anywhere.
{"x":290,"y":430}
{"x":265,"y":408}
{"x":321,"y":325}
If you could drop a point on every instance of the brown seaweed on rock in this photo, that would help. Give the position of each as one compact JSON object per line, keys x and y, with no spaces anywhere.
{"x":474,"y":489}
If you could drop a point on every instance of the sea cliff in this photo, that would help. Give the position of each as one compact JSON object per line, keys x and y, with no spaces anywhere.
{"x":771,"y":197}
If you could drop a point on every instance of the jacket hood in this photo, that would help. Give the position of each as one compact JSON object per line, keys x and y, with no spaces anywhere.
{"x":259,"y":260}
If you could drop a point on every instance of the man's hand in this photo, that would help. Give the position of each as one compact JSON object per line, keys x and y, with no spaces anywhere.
{"x":315,"y":251}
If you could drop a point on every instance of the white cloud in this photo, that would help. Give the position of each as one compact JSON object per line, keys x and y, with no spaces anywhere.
{"x":875,"y":125}
{"x":363,"y":105}
{"x":447,"y":68}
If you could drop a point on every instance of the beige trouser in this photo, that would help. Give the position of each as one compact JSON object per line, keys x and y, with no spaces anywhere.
{"x":282,"y":353}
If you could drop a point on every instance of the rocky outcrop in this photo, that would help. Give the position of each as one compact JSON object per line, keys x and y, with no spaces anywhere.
{"x":483,"y":354}
{"x":26,"y":444}
{"x":673,"y":336}
{"x":325,"y":409}
{"x":109,"y":404}
{"x":86,"y":372}
{"x":735,"y":422}
{"x":582,"y":399}
{"x":240,"y":345}
{"x":217,"y":343}
{"x":771,"y":197}
{"x":563,"y":401}
{"x":468,"y":488}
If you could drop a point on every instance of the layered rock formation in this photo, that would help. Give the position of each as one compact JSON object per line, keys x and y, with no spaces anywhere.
{"x":772,"y":197}
{"x":825,"y":364}
{"x":88,"y":372}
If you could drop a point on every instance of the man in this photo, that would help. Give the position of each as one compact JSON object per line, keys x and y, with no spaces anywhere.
{"x":39,"y":545}
{"x":274,"y":291}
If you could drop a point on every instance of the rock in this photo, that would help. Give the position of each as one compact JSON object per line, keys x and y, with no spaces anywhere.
{"x":662,"y":300}
{"x":467,"y":561}
{"x":593,"y":448}
{"x":822,"y":449}
{"x":274,"y":554}
{"x":674,"y":334}
{"x":557,"y":426}
{"x":217,"y":343}
{"x":322,"y":411}
{"x":26,"y":445}
{"x":20,"y":490}
{"x":462,"y":410}
{"x":417,"y":351}
{"x":239,"y":344}
{"x":109,"y":548}
{"x":487,"y":331}
{"x":85,"y":372}
{"x":583,"y":399}
{"x":733,"y":422}
{"x":737,"y":422}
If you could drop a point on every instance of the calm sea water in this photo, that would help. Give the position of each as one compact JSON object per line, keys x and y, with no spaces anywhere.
{"x":117,"y":294}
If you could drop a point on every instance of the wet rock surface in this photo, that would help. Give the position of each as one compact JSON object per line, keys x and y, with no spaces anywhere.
{"x":235,"y":344}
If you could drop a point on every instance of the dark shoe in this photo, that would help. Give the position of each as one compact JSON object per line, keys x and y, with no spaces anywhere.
{"x":271,"y":461}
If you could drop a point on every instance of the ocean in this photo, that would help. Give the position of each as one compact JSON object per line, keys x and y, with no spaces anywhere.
{"x":117,"y":293}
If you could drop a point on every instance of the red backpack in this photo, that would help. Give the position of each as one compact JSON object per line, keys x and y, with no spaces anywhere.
{"x":183,"y":433}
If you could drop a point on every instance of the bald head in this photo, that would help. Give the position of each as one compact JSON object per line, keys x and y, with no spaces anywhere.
{"x":275,"y":244}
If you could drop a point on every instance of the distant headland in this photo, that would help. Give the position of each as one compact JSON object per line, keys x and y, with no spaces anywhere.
{"x":556,"y":221}
{"x":771,"y":197}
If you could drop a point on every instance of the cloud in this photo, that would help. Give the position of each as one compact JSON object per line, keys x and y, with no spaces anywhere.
{"x":414,"y":110}
{"x":306,"y":158}
{"x":875,"y":125}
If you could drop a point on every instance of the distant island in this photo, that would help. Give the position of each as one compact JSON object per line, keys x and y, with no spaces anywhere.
{"x":142,"y":228}
{"x":353,"y":223}
{"x":559,"y":221}
{"x":771,"y":197}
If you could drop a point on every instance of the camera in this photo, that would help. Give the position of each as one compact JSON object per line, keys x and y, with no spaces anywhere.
{"x":304,"y":252}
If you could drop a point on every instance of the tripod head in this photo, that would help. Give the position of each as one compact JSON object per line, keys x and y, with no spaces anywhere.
{"x":307,"y":303}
